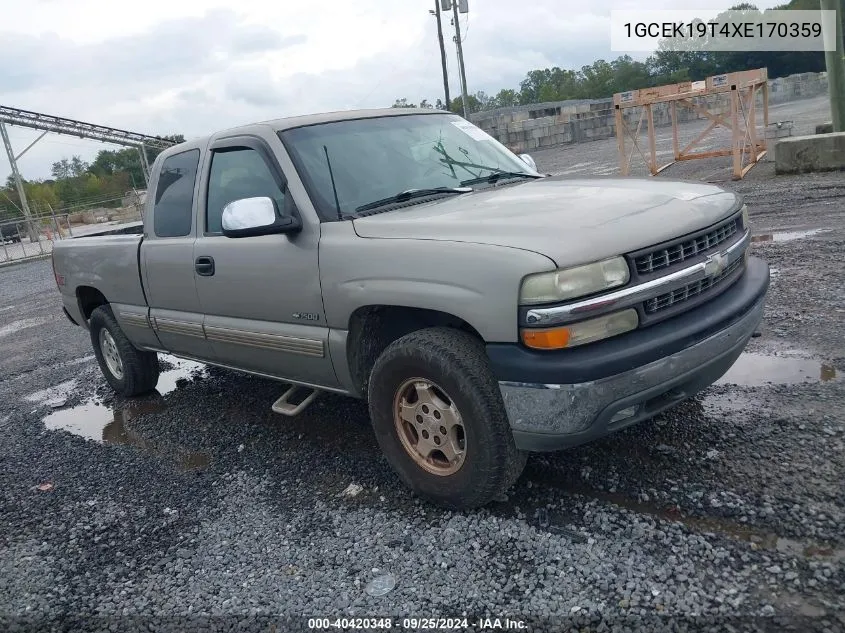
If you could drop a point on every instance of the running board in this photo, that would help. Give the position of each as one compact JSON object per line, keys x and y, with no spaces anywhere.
{"x":284,"y":406}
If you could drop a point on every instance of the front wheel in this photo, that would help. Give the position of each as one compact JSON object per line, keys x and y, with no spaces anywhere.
{"x":128,"y":370}
{"x":440,"y":420}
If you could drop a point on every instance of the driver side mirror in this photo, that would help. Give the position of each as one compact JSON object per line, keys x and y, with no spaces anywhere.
{"x":526,"y":158}
{"x":249,"y":217}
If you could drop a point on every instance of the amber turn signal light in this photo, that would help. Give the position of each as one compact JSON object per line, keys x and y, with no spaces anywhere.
{"x":556,"y":338}
{"x":582,"y":332}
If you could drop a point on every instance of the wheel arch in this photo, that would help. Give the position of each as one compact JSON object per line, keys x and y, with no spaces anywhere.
{"x":373,"y":327}
{"x":89,"y":299}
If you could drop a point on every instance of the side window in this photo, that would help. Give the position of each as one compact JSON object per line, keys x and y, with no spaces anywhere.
{"x":175,"y":195}
{"x":238,"y":173}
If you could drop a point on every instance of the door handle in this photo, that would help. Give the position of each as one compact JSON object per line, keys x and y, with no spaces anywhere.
{"x":204,"y":266}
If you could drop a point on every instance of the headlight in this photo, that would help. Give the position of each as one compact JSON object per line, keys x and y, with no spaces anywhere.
{"x":581,"y":333}
{"x":571,"y":283}
{"x":745,"y":220}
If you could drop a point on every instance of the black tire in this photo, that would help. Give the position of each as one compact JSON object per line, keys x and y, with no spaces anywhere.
{"x":457,"y":363}
{"x":140,"y":369}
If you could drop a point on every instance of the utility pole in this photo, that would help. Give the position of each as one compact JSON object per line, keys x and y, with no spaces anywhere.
{"x":459,"y":44}
{"x":13,"y":163}
{"x":442,"y":52}
{"x":835,"y":62}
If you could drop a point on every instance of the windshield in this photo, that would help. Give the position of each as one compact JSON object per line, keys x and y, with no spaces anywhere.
{"x":373,"y":159}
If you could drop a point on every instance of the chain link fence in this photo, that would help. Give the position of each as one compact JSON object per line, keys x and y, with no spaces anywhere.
{"x":22,"y":239}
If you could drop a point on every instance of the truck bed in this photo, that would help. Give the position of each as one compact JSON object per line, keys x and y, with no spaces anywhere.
{"x":108,"y":263}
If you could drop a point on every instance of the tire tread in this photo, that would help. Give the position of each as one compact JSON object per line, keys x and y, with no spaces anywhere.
{"x":461,"y":358}
{"x":140,"y":368}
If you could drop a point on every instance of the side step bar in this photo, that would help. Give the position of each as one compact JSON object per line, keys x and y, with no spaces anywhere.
{"x":284,"y":406}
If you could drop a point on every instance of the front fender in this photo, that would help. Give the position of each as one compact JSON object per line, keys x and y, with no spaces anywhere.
{"x":477,"y":283}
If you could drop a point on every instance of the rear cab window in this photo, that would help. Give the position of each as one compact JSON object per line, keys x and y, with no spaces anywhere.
{"x":174,"y":197}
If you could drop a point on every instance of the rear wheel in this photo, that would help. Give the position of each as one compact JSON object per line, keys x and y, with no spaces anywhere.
{"x":128,"y":370}
{"x":440,"y":420}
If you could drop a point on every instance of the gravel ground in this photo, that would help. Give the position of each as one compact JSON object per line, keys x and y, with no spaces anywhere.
{"x":198,"y":509}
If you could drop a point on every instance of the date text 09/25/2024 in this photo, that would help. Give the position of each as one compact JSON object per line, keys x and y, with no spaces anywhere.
{"x":417,"y":624}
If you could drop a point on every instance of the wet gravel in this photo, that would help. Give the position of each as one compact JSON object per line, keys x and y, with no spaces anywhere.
{"x":205,"y":511}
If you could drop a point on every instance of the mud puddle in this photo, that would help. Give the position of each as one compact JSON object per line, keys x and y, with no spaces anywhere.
{"x":181,"y":370}
{"x":757,"y":370}
{"x":110,"y":424}
{"x":787,"y":236}
{"x":185,"y":370}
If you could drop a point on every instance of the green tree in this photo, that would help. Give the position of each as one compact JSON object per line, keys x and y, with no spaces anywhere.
{"x":153,"y":152}
{"x":505,"y":98}
{"x":128,"y":161}
{"x":629,"y":74}
{"x":550,"y":84}
{"x":597,"y":80}
{"x":403,"y":103}
{"x":473,"y":105}
{"x":485,"y":101}
{"x":41,"y":196}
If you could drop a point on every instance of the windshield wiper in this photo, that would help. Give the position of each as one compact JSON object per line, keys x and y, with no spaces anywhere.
{"x":498,"y":175}
{"x":410,"y":194}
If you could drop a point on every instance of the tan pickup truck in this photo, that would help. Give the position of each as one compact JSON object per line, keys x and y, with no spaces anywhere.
{"x":407,"y":258}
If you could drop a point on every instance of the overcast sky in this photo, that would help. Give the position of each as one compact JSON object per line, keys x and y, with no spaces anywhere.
{"x":196,"y":66}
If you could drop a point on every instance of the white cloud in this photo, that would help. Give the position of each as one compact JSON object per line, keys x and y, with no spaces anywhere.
{"x":195,"y":66}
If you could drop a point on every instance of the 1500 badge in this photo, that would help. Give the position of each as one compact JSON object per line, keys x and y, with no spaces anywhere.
{"x":306,"y":316}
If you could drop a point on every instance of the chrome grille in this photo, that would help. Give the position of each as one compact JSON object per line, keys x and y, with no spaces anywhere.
{"x":689,"y":291}
{"x":676,"y":253}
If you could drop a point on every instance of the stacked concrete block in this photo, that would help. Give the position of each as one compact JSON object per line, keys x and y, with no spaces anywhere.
{"x":798,"y":86}
{"x":819,"y":152}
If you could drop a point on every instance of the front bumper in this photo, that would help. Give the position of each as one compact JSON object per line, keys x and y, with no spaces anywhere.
{"x":562,"y":399}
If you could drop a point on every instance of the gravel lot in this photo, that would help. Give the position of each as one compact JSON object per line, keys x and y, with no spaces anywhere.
{"x":198,"y":508}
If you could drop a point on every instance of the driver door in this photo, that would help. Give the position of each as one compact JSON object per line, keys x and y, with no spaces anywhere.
{"x":257,"y":289}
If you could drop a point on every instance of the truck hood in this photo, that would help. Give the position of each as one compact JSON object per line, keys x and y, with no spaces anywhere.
{"x":570,"y":221}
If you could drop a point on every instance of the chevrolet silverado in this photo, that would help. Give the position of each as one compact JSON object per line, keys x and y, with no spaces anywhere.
{"x":405,"y":257}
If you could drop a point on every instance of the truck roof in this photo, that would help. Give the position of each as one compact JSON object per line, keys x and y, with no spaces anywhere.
{"x":345,"y":115}
{"x":286,"y":123}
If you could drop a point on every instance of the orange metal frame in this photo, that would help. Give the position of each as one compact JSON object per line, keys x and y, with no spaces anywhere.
{"x":743,"y":88}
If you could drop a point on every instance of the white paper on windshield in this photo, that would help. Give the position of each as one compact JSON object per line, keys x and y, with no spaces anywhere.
{"x":472,"y":131}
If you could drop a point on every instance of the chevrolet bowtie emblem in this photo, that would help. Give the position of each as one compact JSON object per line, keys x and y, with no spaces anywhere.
{"x":715,"y":264}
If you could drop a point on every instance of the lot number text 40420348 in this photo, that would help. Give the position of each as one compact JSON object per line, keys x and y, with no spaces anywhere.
{"x":418,"y":624}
